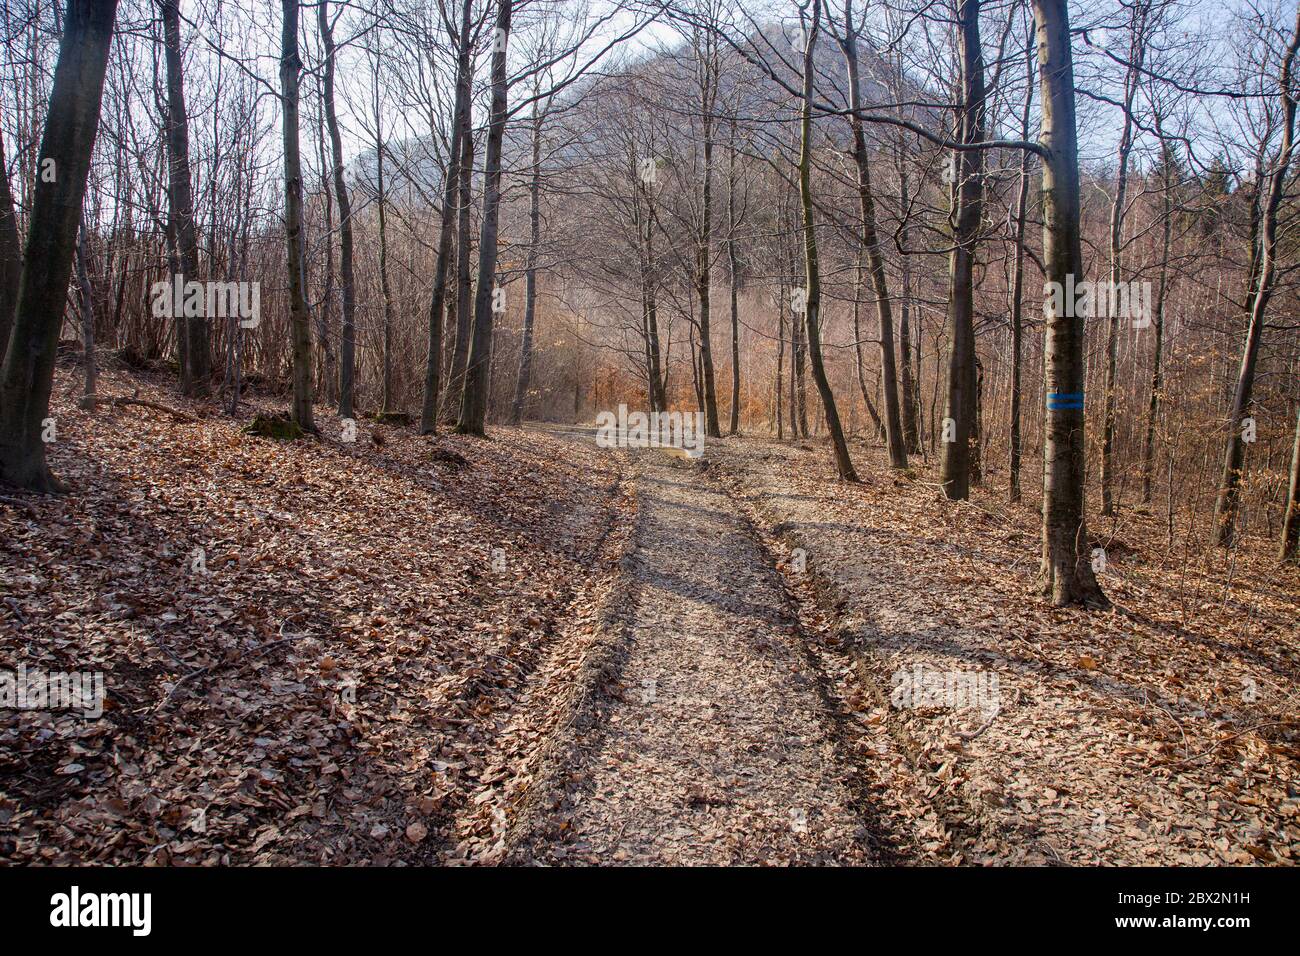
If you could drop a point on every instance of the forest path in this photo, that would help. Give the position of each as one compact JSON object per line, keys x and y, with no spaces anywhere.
{"x":710,"y":745}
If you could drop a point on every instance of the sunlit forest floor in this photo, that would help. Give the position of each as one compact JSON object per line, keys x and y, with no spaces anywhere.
{"x":407,"y":649}
{"x":1164,"y":731}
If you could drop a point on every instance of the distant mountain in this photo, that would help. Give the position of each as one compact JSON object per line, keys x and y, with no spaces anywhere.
{"x":414,"y":172}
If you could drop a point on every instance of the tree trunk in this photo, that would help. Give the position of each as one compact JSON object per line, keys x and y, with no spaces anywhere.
{"x":1016,"y":444}
{"x":843,"y":464}
{"x":798,"y":391}
{"x":651,"y":299}
{"x":27,"y":375}
{"x":968,"y":195}
{"x":697,"y":375}
{"x":1066,"y":572}
{"x":450,"y":185}
{"x":1158,"y":321}
{"x":876,"y":423}
{"x":707,"y":73}
{"x":87,"y":322}
{"x":386,"y":401}
{"x":910,"y":398}
{"x":464,"y":288}
{"x":1290,"y":550}
{"x":525,"y":377}
{"x":196,"y":365}
{"x":894,"y":440}
{"x":1225,"y":507}
{"x":733,"y":268}
{"x":327,"y":379}
{"x":347,"y":275}
{"x":780,"y":360}
{"x":11,"y":256}
{"x":300,"y":323}
{"x":473,"y":406}
{"x":1137,"y":52}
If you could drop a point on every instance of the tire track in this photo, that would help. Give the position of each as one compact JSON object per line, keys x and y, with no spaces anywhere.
{"x":706,"y":739}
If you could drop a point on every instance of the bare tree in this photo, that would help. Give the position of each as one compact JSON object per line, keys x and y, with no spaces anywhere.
{"x":347,"y":274}
{"x":705,"y":46}
{"x":1014,"y":439}
{"x":474,"y":399}
{"x":192,"y":332}
{"x":735,"y":217}
{"x":87,"y":304}
{"x":464,"y":270}
{"x":1139,"y":14}
{"x":894,"y":441}
{"x":1167,"y":160}
{"x":1265,"y":279}
{"x":530,"y":268}
{"x":27,"y":375}
{"x":968,"y":196}
{"x":450,"y":186}
{"x":1290,"y":550}
{"x":300,"y":322}
{"x":1066,"y":575}
{"x":813,"y":297}
{"x":11,"y":255}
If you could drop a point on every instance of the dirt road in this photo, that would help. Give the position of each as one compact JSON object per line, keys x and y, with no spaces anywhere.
{"x":712,"y":745}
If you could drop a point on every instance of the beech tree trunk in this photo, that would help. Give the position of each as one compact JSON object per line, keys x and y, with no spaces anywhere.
{"x":780,"y":361}
{"x":968,"y":197}
{"x":650,"y":299}
{"x":798,"y":357}
{"x":327,"y":376}
{"x":27,"y":375}
{"x":1066,"y":574}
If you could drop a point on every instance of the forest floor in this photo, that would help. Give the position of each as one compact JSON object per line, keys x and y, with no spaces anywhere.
{"x":414,"y":650}
{"x":1162,"y":732}
{"x":329,"y":684}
